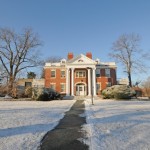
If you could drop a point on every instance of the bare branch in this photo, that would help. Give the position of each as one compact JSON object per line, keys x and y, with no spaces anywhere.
{"x":16,"y":51}
{"x":126,"y":50}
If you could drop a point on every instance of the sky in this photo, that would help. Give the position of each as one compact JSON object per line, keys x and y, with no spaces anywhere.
{"x":79,"y":26}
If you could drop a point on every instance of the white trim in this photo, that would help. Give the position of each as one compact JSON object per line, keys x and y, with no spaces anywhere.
{"x":84,"y":87}
{"x":80,"y":83}
{"x":81,"y":56}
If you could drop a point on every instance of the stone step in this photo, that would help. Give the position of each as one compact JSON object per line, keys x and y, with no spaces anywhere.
{"x":85,"y":97}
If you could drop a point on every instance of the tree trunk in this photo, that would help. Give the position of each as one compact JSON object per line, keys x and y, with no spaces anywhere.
{"x":10,"y":85}
{"x":129,"y":77}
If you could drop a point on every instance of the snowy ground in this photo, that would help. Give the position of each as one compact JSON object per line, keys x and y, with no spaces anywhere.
{"x":24,"y":123}
{"x":111,"y":125}
{"x":118,"y":125}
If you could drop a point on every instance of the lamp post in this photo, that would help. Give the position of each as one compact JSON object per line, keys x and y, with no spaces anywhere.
{"x":92,"y":87}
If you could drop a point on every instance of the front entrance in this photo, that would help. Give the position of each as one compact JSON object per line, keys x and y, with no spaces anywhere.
{"x":80,"y":89}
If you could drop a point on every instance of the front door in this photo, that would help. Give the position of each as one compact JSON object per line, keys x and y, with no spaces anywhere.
{"x":80,"y":90}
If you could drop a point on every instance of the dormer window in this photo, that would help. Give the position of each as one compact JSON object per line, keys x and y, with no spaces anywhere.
{"x":97,"y":61}
{"x":63,"y":61}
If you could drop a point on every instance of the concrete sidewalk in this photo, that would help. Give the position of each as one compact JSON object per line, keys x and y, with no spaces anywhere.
{"x":66,"y":134}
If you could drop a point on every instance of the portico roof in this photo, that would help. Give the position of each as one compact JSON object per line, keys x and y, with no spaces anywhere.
{"x":81,"y":60}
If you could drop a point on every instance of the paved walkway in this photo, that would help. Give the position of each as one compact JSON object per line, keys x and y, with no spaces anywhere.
{"x":66,"y":134}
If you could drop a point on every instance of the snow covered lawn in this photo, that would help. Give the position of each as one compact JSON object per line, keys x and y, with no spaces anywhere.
{"x":24,"y":123}
{"x":118,"y":125}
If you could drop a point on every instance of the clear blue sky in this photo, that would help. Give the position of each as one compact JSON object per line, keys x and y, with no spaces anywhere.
{"x":79,"y":26}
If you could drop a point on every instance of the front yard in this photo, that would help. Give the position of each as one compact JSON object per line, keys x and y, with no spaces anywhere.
{"x":118,"y":125}
{"x":24,"y":123}
{"x":111,"y":125}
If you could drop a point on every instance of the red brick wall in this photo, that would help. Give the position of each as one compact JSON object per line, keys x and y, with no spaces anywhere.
{"x":58,"y":80}
{"x":103,"y":80}
{"x":113,"y":75}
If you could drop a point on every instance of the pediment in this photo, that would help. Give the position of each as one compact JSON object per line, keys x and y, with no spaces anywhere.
{"x":81,"y":59}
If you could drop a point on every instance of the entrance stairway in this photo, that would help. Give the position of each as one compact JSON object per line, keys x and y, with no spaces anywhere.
{"x":85,"y":97}
{"x":79,"y":97}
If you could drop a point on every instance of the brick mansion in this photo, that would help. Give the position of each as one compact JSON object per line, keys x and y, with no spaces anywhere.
{"x":80,"y":75}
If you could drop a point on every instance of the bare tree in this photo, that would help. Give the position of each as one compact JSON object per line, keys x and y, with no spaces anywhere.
{"x":126,"y":50}
{"x":146,"y":86}
{"x":31,"y":75}
{"x":17,"y":52}
{"x":3,"y":75}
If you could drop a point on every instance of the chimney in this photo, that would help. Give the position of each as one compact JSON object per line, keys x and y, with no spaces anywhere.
{"x":70,"y":56}
{"x":89,"y":55}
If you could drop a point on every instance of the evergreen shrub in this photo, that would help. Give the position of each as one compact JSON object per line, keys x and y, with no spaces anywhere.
{"x":118,"y":92}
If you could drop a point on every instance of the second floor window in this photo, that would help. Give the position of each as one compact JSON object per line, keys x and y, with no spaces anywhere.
{"x":53,"y":73}
{"x":98,"y":73}
{"x":80,"y":74}
{"x":107,"y":73}
{"x":62,"y":74}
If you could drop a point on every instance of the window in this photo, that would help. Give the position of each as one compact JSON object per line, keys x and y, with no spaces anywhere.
{"x":80,"y":60}
{"x":108,"y":84}
{"x":28,"y":84}
{"x":62,"y":87}
{"x":53,"y":86}
{"x":107,"y":73}
{"x":63,"y":61}
{"x":80,"y":74}
{"x":62,"y":74}
{"x":53,"y":73}
{"x":80,"y":88}
{"x":98,"y":73}
{"x":98,"y":87}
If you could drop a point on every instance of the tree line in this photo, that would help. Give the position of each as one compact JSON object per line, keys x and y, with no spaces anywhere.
{"x":19,"y":51}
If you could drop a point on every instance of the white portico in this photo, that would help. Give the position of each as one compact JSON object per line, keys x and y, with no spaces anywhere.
{"x":80,"y":76}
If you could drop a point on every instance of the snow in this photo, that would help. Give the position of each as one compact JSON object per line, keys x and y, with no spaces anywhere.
{"x":111,"y":125}
{"x":24,"y":123}
{"x":118,"y":125}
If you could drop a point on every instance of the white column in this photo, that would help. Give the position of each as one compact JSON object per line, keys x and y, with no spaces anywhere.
{"x":94,"y":82}
{"x":89,"y":82}
{"x":67,"y":82}
{"x":72,"y":81}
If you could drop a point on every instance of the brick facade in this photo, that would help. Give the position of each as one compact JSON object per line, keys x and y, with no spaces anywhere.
{"x":76,"y":79}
